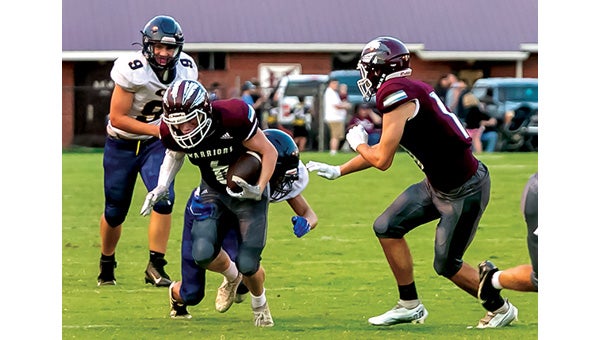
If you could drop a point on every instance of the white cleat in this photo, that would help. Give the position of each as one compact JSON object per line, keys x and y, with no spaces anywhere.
{"x":262,"y":316}
{"x":226,"y":293}
{"x":399,"y":314}
{"x":494,"y":320}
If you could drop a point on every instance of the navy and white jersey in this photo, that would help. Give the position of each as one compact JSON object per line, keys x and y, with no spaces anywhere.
{"x":234,"y":121}
{"x":134,"y":74}
{"x":433,"y":136}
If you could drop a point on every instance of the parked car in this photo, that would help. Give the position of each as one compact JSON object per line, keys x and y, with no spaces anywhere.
{"x":350,"y":77}
{"x":286,"y":96}
{"x":519,"y":97}
{"x":291,"y":87}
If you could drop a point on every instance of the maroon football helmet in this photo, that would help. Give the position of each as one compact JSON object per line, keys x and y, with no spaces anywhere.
{"x":380,"y":58}
{"x":184,"y":101}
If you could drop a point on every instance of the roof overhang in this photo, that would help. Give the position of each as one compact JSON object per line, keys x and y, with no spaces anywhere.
{"x":472,"y":55}
{"x":233,"y":47}
{"x":418,"y":49}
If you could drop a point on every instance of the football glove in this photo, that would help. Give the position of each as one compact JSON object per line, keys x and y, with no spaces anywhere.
{"x":356,"y":136}
{"x":159,"y":193}
{"x":324,"y":170}
{"x":301,"y":226}
{"x":248,"y":191}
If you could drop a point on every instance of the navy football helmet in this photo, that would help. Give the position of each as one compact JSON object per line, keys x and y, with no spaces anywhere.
{"x":381,"y":58}
{"x":164,"y":30}
{"x":286,"y":168}
{"x":184,"y":101}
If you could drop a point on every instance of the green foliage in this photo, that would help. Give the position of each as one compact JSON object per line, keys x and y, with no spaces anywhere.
{"x":322,"y":286}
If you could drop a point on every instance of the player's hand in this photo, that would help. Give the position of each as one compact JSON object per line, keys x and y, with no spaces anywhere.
{"x":159,"y":193}
{"x":248,"y":191}
{"x":301,"y":226}
{"x":324,"y":170}
{"x":356,"y":136}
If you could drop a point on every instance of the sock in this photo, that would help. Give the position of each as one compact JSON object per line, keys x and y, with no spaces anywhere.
{"x":154,"y":255}
{"x":231,"y":273}
{"x":259,"y":301}
{"x":107,"y":258}
{"x":496,"y":280}
{"x":502,"y":309}
{"x":409,"y":298}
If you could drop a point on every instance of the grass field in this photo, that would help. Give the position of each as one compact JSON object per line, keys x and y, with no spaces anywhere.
{"x":322,"y":286}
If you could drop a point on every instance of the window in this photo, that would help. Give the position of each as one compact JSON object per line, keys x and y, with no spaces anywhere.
{"x":211,"y":60}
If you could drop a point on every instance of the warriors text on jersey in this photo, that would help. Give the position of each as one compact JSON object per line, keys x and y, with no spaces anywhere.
{"x":433,"y":136}
{"x":134,"y":74}
{"x":234,"y":121}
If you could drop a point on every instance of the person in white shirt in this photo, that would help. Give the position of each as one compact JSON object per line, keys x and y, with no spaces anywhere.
{"x":335,"y":115}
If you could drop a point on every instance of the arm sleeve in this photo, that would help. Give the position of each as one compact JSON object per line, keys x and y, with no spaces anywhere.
{"x":170,"y":167}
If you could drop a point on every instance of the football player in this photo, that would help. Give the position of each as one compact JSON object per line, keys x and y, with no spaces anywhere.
{"x":213,"y":135}
{"x":289,"y":180}
{"x":523,"y":278}
{"x":132,"y":145}
{"x":455,"y":190}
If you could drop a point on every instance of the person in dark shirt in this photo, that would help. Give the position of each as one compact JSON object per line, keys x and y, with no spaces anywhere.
{"x":213,"y":135}
{"x":455,"y":191}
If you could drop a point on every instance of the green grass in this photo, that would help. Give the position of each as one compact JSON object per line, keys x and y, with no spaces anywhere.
{"x":322,"y":286}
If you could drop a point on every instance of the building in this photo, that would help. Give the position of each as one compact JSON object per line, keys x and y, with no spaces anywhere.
{"x":238,"y":40}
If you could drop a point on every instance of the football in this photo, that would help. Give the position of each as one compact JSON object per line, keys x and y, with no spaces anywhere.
{"x":247,"y":167}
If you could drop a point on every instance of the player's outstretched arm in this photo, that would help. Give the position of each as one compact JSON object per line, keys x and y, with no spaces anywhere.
{"x":169,"y":168}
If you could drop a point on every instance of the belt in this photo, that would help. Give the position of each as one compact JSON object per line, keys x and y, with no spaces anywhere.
{"x":132,"y":144}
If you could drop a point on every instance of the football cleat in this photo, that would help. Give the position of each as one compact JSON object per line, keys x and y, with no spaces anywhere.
{"x":178,"y":310}
{"x":399,"y":314}
{"x":226,"y":293}
{"x":239,"y":298}
{"x":241,"y":293}
{"x":486,"y":293}
{"x":107,"y":273}
{"x":262,"y":316}
{"x":494,"y":320}
{"x":156,"y":275}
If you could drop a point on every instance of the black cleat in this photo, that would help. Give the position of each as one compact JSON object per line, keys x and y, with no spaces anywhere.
{"x":178,"y":310}
{"x":487,"y":294}
{"x":107,"y":273}
{"x":156,"y":275}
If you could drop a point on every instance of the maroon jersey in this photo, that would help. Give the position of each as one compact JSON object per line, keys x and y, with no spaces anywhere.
{"x":433,"y":136}
{"x":233,"y":122}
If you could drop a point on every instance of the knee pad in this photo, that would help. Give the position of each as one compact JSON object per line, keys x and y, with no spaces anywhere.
{"x":115,"y":216}
{"x":382,"y":229}
{"x":248,"y":262}
{"x":203,"y":252}
{"x":163,"y":207}
{"x":446,"y":268}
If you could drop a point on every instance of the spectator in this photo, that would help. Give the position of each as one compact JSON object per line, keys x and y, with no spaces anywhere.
{"x":453,"y":93}
{"x":301,"y":123}
{"x":443,"y":84}
{"x":476,"y":122}
{"x":343,"y":92}
{"x":133,"y":146}
{"x":370,"y":120}
{"x":214,"y":91}
{"x":248,"y":90}
{"x":335,"y":115}
{"x":262,"y":99}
